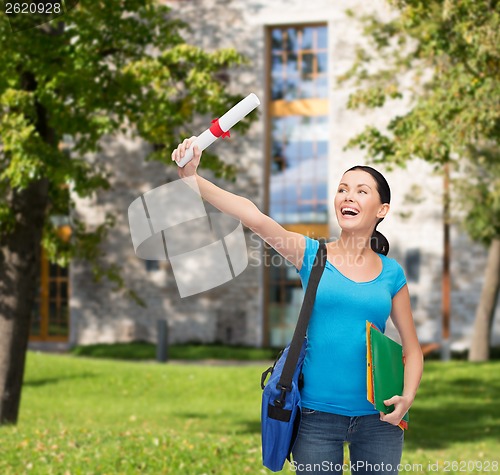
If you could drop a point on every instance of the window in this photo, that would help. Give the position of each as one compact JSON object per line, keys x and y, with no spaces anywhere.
{"x":50,"y":315}
{"x":413,"y":265}
{"x":299,"y":63}
{"x":297,"y":160}
{"x":298,"y":184}
{"x":299,"y":125}
{"x":152,"y":266}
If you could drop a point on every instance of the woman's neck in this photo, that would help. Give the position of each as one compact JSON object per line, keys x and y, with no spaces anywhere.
{"x":352,"y":244}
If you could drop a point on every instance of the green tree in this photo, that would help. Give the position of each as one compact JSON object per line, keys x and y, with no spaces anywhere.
{"x":450,"y":51}
{"x":103,"y":67}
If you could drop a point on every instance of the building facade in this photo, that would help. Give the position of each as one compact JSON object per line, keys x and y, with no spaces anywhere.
{"x":289,"y":164}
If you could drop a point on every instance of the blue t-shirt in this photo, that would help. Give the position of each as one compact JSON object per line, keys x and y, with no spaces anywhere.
{"x":335,"y":365}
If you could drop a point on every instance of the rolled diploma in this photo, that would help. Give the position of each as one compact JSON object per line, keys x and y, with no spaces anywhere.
{"x":231,"y":117}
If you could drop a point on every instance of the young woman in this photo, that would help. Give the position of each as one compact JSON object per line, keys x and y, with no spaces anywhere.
{"x":359,"y":283}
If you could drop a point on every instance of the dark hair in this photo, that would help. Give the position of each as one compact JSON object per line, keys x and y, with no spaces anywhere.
{"x":378,"y":241}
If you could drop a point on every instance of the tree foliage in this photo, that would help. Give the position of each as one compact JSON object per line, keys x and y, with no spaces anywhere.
{"x":103,"y":68}
{"x":443,"y":58}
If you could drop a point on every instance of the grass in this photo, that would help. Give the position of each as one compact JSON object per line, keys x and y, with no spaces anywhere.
{"x":90,"y":416}
{"x":147,"y":351}
{"x":139,"y":350}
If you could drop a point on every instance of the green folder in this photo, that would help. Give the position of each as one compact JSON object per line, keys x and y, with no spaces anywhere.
{"x":384,"y":371}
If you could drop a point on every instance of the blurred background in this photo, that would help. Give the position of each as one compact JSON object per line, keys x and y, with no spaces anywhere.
{"x":94,"y":101}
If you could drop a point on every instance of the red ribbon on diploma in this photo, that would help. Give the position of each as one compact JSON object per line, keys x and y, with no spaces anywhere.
{"x":217,"y":131}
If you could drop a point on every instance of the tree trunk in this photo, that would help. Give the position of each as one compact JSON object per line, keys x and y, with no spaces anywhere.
{"x":19,"y":276}
{"x":480,"y":344}
{"x":20,"y":272}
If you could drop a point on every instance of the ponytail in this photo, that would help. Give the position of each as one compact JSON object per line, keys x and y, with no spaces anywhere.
{"x":379,"y":243}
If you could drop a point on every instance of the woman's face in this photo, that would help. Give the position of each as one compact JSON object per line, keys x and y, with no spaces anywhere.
{"x":357,"y":202}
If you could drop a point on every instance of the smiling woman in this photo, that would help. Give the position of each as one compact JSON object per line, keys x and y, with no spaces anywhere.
{"x":364,"y":284}
{"x":359,"y":283}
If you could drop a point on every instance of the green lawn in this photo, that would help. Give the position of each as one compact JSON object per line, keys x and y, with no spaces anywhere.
{"x":87,"y":416}
{"x":147,"y":351}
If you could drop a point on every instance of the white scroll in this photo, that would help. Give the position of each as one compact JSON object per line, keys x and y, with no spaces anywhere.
{"x":220,"y":127}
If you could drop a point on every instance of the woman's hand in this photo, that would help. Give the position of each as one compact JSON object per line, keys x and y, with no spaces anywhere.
{"x":190,"y":168}
{"x":401,"y":406}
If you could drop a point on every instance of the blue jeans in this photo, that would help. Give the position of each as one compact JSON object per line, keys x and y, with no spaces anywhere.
{"x":375,"y":446}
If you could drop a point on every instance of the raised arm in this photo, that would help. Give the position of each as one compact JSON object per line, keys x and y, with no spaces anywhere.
{"x":289,"y":244}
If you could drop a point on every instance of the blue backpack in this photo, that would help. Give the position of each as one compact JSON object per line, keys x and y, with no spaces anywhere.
{"x":281,"y":408}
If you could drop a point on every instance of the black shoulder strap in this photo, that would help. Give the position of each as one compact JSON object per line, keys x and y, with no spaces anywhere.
{"x":285,"y":381}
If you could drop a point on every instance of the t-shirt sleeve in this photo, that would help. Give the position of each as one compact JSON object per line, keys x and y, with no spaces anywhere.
{"x":310,"y":252}
{"x":399,"y":280}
